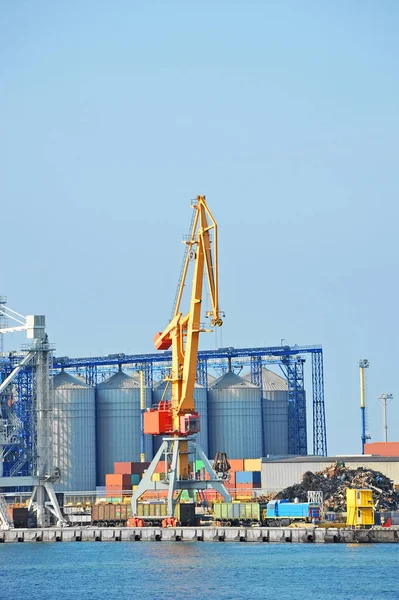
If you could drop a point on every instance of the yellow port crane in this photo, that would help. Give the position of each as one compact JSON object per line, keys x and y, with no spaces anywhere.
{"x":177,"y":419}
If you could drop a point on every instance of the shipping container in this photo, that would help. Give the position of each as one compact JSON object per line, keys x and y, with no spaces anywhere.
{"x":160,"y":468}
{"x":251,"y":477}
{"x":382,"y":448}
{"x":236,"y":464}
{"x":117,"y":480}
{"x":185,"y":513}
{"x":135,"y":478}
{"x":20,"y":517}
{"x":252,"y":464}
{"x":123,"y":468}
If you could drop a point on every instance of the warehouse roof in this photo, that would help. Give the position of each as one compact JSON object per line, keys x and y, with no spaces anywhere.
{"x":367,"y":458}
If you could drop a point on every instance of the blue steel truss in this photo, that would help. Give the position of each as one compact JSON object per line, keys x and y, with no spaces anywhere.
{"x":319,"y":417}
{"x":297,"y":434}
{"x":290,"y":358}
{"x":18,"y":453}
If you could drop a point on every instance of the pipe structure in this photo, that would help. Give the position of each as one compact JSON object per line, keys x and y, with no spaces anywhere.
{"x":142,"y":408}
{"x":363,"y":364}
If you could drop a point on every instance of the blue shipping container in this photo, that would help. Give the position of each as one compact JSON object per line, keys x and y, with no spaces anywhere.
{"x":243,"y":477}
{"x":248,"y":477}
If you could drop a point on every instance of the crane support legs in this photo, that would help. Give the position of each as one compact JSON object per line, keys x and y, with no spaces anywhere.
{"x":43,"y":507}
{"x":169,"y":451}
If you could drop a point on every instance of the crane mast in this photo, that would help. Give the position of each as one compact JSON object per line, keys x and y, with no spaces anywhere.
{"x":177,"y":419}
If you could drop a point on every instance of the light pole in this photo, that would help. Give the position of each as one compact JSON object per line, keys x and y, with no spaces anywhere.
{"x":363,"y":364}
{"x":385,"y":398}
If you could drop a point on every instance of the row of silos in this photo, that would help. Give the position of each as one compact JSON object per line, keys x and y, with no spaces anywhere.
{"x":93,"y":429}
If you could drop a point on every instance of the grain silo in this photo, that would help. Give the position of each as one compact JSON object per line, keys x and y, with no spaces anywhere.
{"x":119,"y":423}
{"x":201,"y":406}
{"x":275,"y":413}
{"x":74,"y":440}
{"x":235,"y":417}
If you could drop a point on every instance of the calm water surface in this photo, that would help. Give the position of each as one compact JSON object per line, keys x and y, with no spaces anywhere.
{"x":104,"y":571}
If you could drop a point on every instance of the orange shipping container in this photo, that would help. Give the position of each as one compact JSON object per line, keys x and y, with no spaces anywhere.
{"x":123,"y":468}
{"x":382,"y":448}
{"x":118,"y":479}
{"x":232,"y":477}
{"x":247,"y":486}
{"x":160,"y":468}
{"x":237,"y":464}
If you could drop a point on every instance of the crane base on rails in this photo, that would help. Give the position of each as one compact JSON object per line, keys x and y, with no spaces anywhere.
{"x":169,"y":452}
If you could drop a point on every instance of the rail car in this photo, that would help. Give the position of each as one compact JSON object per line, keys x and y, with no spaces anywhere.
{"x":276,"y":513}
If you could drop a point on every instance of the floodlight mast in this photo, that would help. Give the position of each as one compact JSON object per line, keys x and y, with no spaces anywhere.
{"x":384,"y":398}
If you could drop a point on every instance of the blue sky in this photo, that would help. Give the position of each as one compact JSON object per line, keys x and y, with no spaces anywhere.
{"x":285,"y":114}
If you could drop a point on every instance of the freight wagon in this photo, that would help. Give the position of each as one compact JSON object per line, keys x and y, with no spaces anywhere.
{"x":109,"y":515}
{"x":273,"y":514}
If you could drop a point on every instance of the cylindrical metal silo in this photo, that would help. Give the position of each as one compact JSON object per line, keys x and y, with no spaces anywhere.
{"x":201,"y":406}
{"x":275,"y":413}
{"x":74,"y":441}
{"x":119,"y":423}
{"x":235,"y":417}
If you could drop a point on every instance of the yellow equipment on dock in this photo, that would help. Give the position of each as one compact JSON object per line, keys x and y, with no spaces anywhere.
{"x":360,"y":507}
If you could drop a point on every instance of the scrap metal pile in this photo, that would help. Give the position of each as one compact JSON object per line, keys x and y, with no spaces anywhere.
{"x":333,"y":482}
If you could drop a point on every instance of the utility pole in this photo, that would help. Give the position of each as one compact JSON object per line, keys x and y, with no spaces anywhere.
{"x":363,"y":364}
{"x":385,"y":397}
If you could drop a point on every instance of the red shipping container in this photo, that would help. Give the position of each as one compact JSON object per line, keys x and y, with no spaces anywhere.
{"x":382,"y":448}
{"x":123,"y":468}
{"x":118,"y":480}
{"x":236,"y":464}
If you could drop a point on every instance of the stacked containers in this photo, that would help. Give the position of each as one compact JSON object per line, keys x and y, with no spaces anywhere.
{"x":235,"y":417}
{"x":275,"y":413}
{"x":116,"y":485}
{"x":119,"y":422}
{"x":74,"y":439}
{"x":201,"y":406}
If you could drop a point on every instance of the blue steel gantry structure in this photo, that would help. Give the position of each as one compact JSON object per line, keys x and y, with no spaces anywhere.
{"x":290,"y":359}
{"x":18,"y":450}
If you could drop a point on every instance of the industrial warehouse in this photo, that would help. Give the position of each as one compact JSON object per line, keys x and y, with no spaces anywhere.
{"x":178,"y":438}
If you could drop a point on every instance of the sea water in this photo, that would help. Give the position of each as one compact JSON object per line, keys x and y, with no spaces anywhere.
{"x":198,"y":570}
